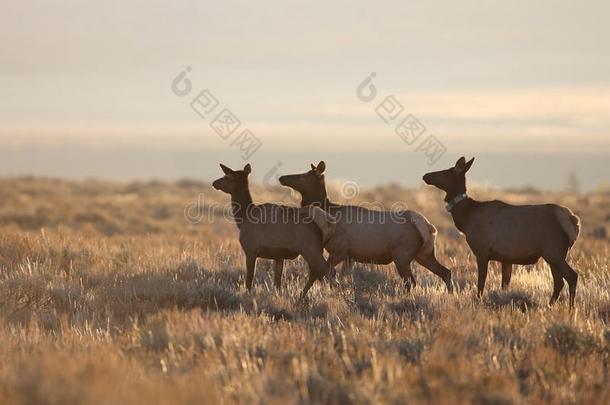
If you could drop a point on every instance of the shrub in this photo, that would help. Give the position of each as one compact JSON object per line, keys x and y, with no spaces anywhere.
{"x":568,"y":340}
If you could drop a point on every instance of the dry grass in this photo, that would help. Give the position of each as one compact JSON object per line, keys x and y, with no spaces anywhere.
{"x":107,"y":295}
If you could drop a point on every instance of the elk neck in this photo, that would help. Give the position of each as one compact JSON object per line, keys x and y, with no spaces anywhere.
{"x":461,"y":208}
{"x":241,"y":201}
{"x":316,"y":196}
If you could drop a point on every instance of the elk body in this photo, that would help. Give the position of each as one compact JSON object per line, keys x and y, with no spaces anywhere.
{"x":371,"y":236}
{"x":276,"y":232}
{"x":510,"y":234}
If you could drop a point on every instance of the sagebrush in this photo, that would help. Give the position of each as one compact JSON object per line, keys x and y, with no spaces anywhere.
{"x":108,"y":295}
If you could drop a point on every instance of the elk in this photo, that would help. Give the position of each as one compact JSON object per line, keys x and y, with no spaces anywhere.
{"x":372,"y":236}
{"x":276,"y":232}
{"x":510,"y":234}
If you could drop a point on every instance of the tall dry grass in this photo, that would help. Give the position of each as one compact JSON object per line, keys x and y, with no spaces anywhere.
{"x":107,"y":295}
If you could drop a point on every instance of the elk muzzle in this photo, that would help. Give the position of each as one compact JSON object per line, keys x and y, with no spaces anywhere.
{"x":428,"y":178}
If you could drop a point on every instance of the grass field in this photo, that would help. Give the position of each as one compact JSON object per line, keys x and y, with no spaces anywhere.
{"x":108,"y":295}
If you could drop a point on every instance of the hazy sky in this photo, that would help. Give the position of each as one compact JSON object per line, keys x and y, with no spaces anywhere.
{"x":480,"y":75}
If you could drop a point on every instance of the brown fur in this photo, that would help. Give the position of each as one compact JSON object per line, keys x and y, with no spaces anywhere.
{"x":426,"y":230}
{"x":323,"y":219}
{"x":276,"y":232}
{"x":569,"y":222}
{"x":510,"y":234}
{"x":371,"y":236}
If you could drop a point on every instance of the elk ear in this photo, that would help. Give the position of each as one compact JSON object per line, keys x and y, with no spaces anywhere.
{"x":468,"y":164}
{"x":461,"y":162}
{"x":248,"y":169}
{"x":313,"y":167}
{"x":321,"y":167}
{"x":226,"y":169}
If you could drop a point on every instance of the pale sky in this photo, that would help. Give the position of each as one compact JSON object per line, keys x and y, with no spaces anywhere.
{"x":480,"y":75}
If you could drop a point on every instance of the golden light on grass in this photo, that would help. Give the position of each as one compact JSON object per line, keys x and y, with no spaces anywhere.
{"x":107,"y":295}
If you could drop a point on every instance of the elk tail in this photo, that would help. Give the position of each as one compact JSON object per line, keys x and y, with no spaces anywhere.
{"x":569,"y":222}
{"x":426,"y":230}
{"x":326,"y":222}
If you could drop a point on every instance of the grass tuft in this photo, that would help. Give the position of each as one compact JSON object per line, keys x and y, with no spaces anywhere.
{"x":107,"y":295}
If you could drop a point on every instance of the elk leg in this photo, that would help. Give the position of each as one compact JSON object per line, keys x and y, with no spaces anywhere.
{"x":404,"y":269}
{"x":572,"y":278}
{"x":250,"y":267}
{"x":308,"y":285}
{"x":318,"y":268}
{"x":278,"y":267}
{"x":347,"y":266}
{"x":507,"y":271}
{"x":333,"y":260}
{"x":429,"y":261}
{"x":557,"y":282}
{"x":482,"y":263}
{"x":402,"y":260}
